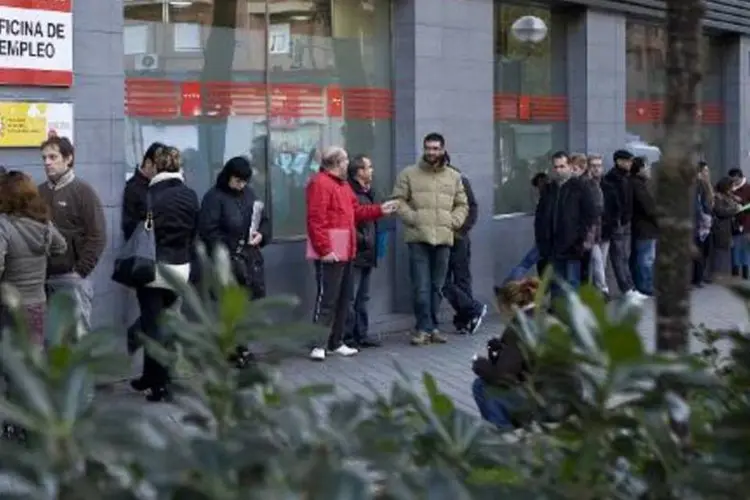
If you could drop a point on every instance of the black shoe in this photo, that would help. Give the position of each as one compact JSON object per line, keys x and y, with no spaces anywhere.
{"x":745,"y":272}
{"x":735,"y":271}
{"x":367,"y":342}
{"x":158,"y":394}
{"x":139,"y":384}
{"x":242,"y":357}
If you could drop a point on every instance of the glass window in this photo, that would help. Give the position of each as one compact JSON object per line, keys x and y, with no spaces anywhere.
{"x":646,"y":88}
{"x":530,"y":104}
{"x":274,"y":80}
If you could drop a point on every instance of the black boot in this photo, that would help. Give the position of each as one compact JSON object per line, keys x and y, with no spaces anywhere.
{"x":745,"y":272}
{"x":735,"y":271}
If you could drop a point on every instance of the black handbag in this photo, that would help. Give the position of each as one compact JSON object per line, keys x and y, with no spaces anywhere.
{"x":135,"y":264}
{"x":248,"y":267}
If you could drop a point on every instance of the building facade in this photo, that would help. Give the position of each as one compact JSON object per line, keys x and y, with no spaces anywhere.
{"x":276,"y":80}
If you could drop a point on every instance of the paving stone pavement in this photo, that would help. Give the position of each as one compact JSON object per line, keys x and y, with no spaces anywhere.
{"x":713,"y":306}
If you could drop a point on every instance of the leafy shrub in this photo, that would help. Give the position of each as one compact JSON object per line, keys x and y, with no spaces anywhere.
{"x":244,"y":434}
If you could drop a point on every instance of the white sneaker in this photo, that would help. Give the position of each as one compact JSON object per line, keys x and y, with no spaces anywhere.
{"x":636,"y":296}
{"x":345,"y":350}
{"x":318,"y":354}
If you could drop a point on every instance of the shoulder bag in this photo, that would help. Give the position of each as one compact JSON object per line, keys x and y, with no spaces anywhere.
{"x":135,"y":264}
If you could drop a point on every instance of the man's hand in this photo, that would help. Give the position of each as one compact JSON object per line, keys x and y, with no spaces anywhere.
{"x":331,"y":257}
{"x":255,"y":239}
{"x":390,"y":206}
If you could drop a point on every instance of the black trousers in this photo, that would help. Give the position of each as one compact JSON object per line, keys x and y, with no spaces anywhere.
{"x":153,"y":302}
{"x":334,"y":282}
{"x":458,"y":283}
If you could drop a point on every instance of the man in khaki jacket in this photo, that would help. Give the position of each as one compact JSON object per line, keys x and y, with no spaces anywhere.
{"x":433,"y":206}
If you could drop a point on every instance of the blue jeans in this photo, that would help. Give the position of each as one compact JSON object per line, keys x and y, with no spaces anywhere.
{"x":568,"y":271}
{"x":428,"y":265}
{"x":357,"y":323}
{"x":522,"y":268}
{"x":740,"y":251}
{"x":497,"y":409}
{"x":645,"y":256}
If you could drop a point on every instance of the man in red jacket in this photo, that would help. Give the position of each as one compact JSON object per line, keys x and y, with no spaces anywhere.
{"x":332,"y":214}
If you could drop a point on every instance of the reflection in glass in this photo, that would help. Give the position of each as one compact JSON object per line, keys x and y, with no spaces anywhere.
{"x":646,"y":89}
{"x":214,"y":79}
{"x":530,"y":105}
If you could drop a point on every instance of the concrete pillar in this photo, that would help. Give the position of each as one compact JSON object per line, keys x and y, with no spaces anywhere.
{"x":597,"y":79}
{"x":737,"y":104}
{"x":443,"y":82}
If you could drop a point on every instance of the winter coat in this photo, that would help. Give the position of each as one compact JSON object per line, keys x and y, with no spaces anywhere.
{"x":725,"y":209}
{"x":331,"y":206}
{"x":367,"y":230}
{"x":564,"y":218}
{"x":644,"y":210}
{"x":433,"y":203}
{"x":25,"y":245}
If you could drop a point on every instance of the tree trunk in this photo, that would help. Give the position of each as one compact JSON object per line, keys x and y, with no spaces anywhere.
{"x":676,"y":176}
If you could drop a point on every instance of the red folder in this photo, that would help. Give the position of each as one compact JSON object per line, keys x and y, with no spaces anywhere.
{"x":340,"y":245}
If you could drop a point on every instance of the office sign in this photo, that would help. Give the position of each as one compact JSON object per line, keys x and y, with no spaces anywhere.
{"x":36,"y":43}
{"x":28,"y":124}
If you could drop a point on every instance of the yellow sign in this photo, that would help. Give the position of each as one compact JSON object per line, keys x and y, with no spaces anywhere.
{"x":27,"y":124}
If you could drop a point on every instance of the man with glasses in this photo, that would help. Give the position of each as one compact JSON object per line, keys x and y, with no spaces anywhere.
{"x":564,"y":215}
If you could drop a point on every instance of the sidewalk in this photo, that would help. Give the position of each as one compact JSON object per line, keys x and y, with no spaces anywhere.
{"x":450,"y":363}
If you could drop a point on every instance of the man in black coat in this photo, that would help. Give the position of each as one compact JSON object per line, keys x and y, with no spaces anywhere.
{"x":360,"y":174}
{"x":133,"y":212}
{"x":563,"y":219}
{"x":457,"y":290}
{"x":617,"y":221}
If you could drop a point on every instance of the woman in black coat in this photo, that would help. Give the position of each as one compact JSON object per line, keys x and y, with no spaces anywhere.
{"x":174,"y":210}
{"x":225,"y":218}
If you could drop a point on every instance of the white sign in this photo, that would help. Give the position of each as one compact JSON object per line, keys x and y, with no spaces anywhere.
{"x":36,"y":45}
{"x":279,"y":39}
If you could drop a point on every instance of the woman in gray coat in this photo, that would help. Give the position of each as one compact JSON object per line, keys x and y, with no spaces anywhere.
{"x":27,"y":239}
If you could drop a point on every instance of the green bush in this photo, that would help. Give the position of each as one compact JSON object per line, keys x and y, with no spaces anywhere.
{"x":243,"y":434}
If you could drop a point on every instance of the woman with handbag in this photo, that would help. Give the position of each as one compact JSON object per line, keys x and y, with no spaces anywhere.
{"x":226,"y":217}
{"x":172,"y":214}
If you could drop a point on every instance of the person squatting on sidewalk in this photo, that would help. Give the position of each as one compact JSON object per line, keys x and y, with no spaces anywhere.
{"x":433,"y":206}
{"x":332,"y":214}
{"x":457,"y":290}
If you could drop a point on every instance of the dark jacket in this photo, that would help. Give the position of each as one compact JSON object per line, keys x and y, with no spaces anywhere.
{"x":78,"y":214}
{"x":644,"y":210}
{"x":225,"y":216}
{"x":175,"y":211}
{"x":564,"y":217}
{"x":367,"y":230}
{"x":724,"y":210}
{"x":473,"y":215}
{"x":618,"y":202}
{"x":505,"y":364}
{"x":134,"y":202}
{"x":743,"y":219}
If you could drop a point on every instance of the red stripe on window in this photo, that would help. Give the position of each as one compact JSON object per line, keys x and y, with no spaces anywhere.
{"x":165,"y":99}
{"x":533,"y":108}
{"x":641,"y":112}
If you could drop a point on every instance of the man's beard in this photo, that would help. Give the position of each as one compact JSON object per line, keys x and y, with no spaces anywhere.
{"x":437,"y":160}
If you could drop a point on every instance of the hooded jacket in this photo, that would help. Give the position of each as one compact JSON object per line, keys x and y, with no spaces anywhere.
{"x":25,"y":245}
